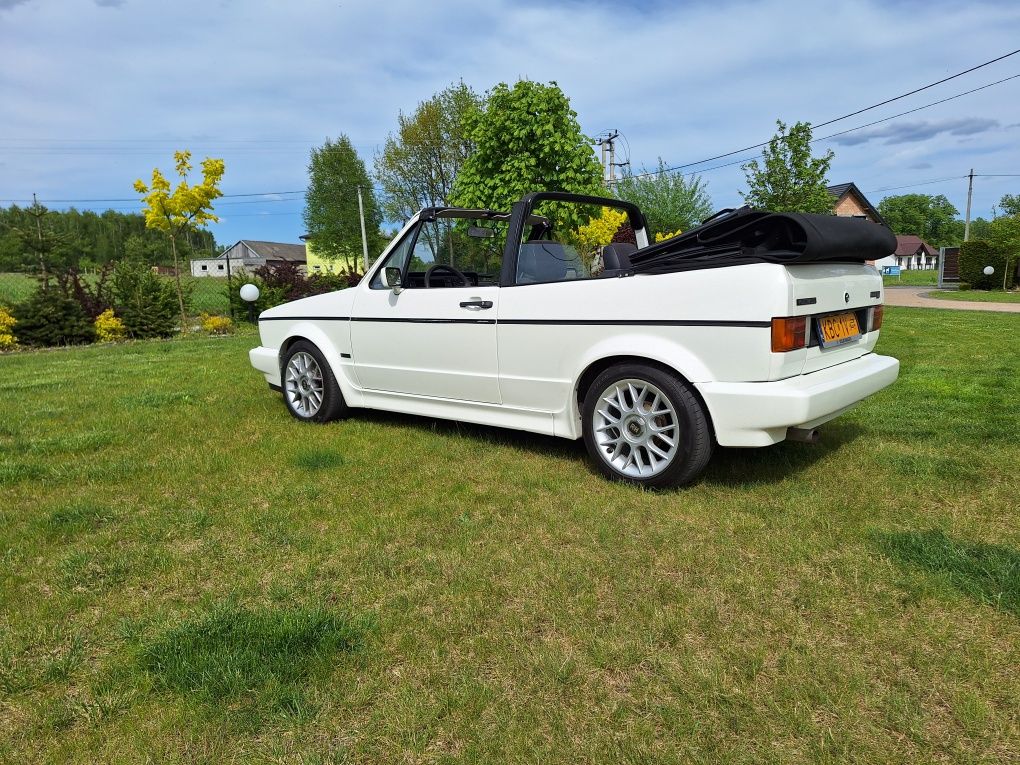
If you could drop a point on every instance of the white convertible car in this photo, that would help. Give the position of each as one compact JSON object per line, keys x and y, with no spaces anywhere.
{"x":746,"y":331}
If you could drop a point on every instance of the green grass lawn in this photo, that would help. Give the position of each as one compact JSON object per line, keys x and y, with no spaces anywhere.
{"x":913,"y":279}
{"x":189,"y":575}
{"x":977,"y":296}
{"x":207,"y":294}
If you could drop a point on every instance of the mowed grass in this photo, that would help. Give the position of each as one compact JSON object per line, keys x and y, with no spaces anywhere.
{"x":978,"y":296}
{"x":208,"y":294}
{"x":913,"y":278}
{"x":189,"y":575}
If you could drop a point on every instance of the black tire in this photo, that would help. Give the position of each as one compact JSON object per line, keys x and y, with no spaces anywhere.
{"x":684,"y":422}
{"x":332,"y":404}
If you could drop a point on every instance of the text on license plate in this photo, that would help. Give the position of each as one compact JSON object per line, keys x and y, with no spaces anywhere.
{"x":838,"y":329}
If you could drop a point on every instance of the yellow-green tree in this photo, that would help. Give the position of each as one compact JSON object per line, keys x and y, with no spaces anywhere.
{"x":175,"y":212}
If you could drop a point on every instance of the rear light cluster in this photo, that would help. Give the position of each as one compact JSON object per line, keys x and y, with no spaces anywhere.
{"x":876,"y":318}
{"x":791,"y":333}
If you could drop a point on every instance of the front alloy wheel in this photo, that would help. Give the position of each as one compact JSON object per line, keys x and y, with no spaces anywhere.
{"x":643,"y":425}
{"x":309,"y":388}
{"x":303,"y":385}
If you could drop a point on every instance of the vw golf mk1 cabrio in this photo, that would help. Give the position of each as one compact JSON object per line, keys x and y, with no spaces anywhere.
{"x":748,"y":330}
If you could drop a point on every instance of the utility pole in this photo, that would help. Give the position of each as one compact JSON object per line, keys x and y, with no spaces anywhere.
{"x":364,"y":237}
{"x":970,"y":194}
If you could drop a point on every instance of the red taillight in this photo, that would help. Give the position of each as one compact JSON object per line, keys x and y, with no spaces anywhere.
{"x":876,"y":317}
{"x":788,"y":333}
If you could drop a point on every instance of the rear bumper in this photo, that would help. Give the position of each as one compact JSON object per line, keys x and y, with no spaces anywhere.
{"x":266,"y":361}
{"x":758,"y":414}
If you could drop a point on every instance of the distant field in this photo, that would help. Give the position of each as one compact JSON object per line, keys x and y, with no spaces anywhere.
{"x":207,"y":294}
{"x":913,"y":279}
{"x":977,"y":296}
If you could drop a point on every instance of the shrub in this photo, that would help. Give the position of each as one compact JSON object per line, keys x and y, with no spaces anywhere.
{"x":109,"y":329}
{"x":963,"y":286}
{"x":7,"y":339}
{"x":217,"y":325}
{"x":977,"y":254}
{"x":93,"y":298}
{"x":51,"y":318}
{"x":662,"y":236}
{"x":284,"y":282}
{"x":145,"y":303}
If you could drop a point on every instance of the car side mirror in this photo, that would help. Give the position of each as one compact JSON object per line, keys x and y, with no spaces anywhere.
{"x":391,"y":275}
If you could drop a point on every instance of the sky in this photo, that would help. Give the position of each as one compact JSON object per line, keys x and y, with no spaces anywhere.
{"x":95,"y":93}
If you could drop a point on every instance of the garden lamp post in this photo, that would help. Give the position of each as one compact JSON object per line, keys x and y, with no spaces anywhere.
{"x":250,"y":293}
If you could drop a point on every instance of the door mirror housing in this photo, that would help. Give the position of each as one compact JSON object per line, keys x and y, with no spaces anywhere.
{"x":391,"y":277}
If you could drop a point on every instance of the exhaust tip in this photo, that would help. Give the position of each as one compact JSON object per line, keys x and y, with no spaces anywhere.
{"x":803,"y":435}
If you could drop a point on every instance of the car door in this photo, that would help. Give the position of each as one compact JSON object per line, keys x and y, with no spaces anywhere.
{"x":437,"y":341}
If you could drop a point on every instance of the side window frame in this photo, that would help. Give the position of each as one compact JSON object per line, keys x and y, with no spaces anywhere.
{"x":521,"y":212}
{"x":411,"y":238}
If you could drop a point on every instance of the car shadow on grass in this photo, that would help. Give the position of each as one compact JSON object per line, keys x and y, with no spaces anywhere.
{"x":987,"y":573}
{"x":728,"y":466}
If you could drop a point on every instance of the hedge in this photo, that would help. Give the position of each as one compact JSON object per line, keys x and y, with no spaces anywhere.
{"x":977,"y":254}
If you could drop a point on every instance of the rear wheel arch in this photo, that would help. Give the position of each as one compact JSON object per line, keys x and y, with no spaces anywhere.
{"x":597,"y":367}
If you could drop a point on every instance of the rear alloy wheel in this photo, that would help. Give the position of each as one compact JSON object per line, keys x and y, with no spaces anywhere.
{"x":309,"y":388}
{"x":644,"y":426}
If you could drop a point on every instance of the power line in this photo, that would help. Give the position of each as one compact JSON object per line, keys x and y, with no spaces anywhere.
{"x":919,"y":183}
{"x":918,"y":90}
{"x":843,"y":117}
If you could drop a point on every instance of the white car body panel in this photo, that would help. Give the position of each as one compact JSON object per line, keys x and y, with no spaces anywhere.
{"x":518,"y":363}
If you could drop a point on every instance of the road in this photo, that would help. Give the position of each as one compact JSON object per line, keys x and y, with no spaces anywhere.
{"x":914,"y":297}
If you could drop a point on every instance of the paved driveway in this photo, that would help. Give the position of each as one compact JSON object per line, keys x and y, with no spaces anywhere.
{"x":915,"y":297}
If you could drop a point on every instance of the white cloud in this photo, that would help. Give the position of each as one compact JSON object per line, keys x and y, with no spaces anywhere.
{"x":95,"y":99}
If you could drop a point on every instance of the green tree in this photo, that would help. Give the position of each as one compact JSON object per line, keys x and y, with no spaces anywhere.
{"x":1010,"y":204}
{"x":931,"y":217}
{"x":332,"y":219}
{"x":527,"y":139}
{"x":417,"y":167}
{"x":789,"y":178}
{"x":186,"y":207}
{"x":35,"y":244}
{"x":669,"y":201}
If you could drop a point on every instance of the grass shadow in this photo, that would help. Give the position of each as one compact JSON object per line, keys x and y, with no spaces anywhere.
{"x":743,"y":468}
{"x":988,"y":573}
{"x":256,"y":658}
{"x":490,"y":434}
{"x":730,"y":467}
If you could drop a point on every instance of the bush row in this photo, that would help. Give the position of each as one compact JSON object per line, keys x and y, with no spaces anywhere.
{"x":126,"y":300}
{"x":130,"y":300}
{"x":285,"y":282}
{"x":976,"y":254}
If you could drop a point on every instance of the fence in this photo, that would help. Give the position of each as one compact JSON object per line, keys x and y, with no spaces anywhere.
{"x":208,"y":294}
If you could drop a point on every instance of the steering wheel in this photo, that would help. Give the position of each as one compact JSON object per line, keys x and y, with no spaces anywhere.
{"x":443,"y":267}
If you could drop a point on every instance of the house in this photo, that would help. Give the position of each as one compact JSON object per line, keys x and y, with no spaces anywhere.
{"x":316,"y":264}
{"x":247,"y":255}
{"x":914,"y":254}
{"x":850,"y":202}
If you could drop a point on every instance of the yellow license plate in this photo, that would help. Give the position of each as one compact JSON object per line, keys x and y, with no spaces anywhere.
{"x":838,"y":329}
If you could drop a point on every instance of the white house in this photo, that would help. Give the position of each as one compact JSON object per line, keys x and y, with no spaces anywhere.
{"x":247,"y":255}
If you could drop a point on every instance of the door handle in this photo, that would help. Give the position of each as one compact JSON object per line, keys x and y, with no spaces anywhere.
{"x":476,"y":305}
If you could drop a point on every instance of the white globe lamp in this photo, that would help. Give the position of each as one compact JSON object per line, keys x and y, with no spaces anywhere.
{"x":249,"y":294}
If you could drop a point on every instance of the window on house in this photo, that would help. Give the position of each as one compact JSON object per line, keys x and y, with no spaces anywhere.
{"x":205,"y":268}
{"x":220,"y":267}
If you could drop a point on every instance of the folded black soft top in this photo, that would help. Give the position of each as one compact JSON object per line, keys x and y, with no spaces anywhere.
{"x":750,"y":236}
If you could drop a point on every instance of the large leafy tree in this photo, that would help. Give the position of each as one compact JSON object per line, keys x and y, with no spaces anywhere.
{"x":177,"y":212}
{"x":931,"y":217}
{"x":1010,"y":204}
{"x":527,"y":139}
{"x":669,"y":201}
{"x":331,"y":216}
{"x":418,"y":165}
{"x":789,"y":178}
